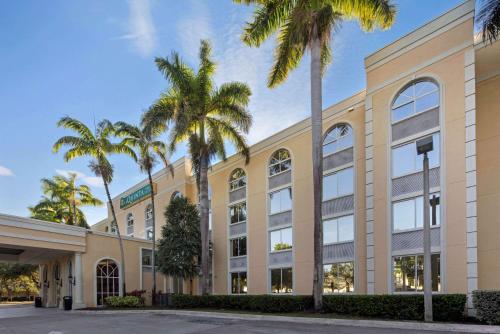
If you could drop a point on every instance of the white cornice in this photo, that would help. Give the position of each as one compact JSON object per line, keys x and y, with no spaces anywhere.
{"x":124,"y":237}
{"x":439,"y":25}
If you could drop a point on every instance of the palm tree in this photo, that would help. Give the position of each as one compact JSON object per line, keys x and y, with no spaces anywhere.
{"x":66,"y":190}
{"x":206,"y":117}
{"x":144,"y":140}
{"x":489,"y":19}
{"x":97,"y":146}
{"x":51,"y":210}
{"x":304,"y":25}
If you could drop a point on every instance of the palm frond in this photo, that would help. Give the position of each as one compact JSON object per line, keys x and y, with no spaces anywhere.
{"x":489,"y":20}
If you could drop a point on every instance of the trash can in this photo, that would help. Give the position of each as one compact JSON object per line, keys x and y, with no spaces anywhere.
{"x":38,"y":301}
{"x":68,"y":303}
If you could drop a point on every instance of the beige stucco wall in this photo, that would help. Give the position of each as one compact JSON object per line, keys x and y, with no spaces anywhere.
{"x":449,"y":73}
{"x":488,"y":180}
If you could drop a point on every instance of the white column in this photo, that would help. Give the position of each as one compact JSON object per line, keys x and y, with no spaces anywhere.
{"x":370,"y":258}
{"x":78,"y":289}
{"x":470,"y":176}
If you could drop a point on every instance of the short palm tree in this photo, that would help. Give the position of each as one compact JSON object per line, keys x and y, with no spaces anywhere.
{"x":52,"y":210}
{"x":204,"y":116}
{"x":149,"y":148}
{"x":303,"y":25}
{"x":98,"y":146}
{"x":67,"y":191}
{"x":489,"y":19}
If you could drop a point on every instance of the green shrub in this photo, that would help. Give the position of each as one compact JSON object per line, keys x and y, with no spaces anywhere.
{"x":487,"y":304}
{"x":257,"y":303}
{"x":127,"y":301}
{"x":398,"y":307}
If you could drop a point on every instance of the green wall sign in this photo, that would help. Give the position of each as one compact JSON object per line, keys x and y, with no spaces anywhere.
{"x":135,"y":197}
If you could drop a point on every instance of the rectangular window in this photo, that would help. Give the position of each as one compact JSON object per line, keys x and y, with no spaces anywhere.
{"x":338,"y":184}
{"x":338,"y":277}
{"x":239,"y":282}
{"x":338,"y":230}
{"x":146,"y":257}
{"x":408,"y":273}
{"x":408,"y":214}
{"x":149,"y":234}
{"x":405,"y":159}
{"x":238,"y":213}
{"x":281,"y":280}
{"x":280,"y":239}
{"x":238,"y":246}
{"x":280,"y":200}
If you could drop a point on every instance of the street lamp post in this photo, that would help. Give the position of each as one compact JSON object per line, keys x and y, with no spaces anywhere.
{"x":424,"y":146}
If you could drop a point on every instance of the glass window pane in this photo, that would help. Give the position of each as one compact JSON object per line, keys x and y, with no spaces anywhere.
{"x":403,"y":159}
{"x":329,"y":187}
{"x":275,"y":240}
{"x":328,"y":278}
{"x":420,"y":273}
{"x":436,"y":272}
{"x":243,"y":282}
{"x":403,"y":215}
{"x":346,"y":228}
{"x":330,"y":231}
{"x":419,"y":212}
{"x":234,"y":282}
{"x":287,"y":238}
{"x":345,"y":142}
{"x":345,"y":181}
{"x":403,"y":111}
{"x":243,"y":246}
{"x":427,"y":102}
{"x":434,"y":155}
{"x":346,"y":276}
{"x":275,"y":200}
{"x":275,"y":280}
{"x":404,"y":273}
{"x":286,"y":199}
{"x":234,"y":247}
{"x":424,"y":87}
{"x":287,"y":280}
{"x":329,"y":148}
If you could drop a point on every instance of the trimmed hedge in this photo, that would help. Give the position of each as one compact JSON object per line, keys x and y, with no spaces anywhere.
{"x":257,"y":303}
{"x":487,"y":304}
{"x":399,"y":307}
{"x":125,"y":302}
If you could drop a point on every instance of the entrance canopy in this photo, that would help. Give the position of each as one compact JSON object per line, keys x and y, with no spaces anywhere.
{"x":34,"y":241}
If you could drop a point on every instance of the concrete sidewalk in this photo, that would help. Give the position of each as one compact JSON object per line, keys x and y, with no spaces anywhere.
{"x":387,"y":324}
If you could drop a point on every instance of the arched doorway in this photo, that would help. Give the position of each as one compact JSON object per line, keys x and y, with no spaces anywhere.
{"x":107,"y":280}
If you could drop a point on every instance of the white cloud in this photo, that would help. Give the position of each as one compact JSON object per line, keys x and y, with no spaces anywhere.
{"x":4,"y":171}
{"x":93,"y":181}
{"x":141,"y":30}
{"x":272,"y":109}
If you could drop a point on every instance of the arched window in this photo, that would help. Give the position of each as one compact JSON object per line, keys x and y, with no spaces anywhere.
{"x":107,"y":280}
{"x":130,"y":224}
{"x":337,"y":139}
{"x":237,"y":180}
{"x":418,"y":97}
{"x":280,"y":162}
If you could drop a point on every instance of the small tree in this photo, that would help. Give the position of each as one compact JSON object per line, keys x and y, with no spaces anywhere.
{"x":180,"y":244}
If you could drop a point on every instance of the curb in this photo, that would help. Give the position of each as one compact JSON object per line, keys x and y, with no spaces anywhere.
{"x":442,"y":327}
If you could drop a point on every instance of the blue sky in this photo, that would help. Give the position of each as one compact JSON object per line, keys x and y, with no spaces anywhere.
{"x":93,"y":59}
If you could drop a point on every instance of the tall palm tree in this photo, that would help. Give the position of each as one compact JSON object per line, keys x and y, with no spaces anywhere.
{"x":206,"y":117}
{"x":149,"y":148}
{"x":307,"y":25}
{"x":98,"y":146}
{"x":66,"y":190}
{"x":489,"y":19}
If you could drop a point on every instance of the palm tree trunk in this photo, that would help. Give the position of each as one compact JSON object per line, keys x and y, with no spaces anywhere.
{"x":317,"y":160}
{"x":153,"y":251}
{"x":204,"y":224}
{"x":74,"y":212}
{"x":122,"y":254}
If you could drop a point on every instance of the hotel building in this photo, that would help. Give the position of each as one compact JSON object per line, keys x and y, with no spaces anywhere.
{"x":438,"y":81}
